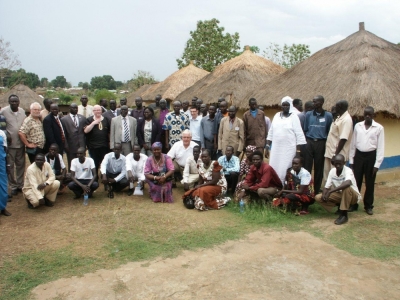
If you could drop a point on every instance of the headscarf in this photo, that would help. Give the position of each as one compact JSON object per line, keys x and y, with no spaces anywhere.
{"x":156,"y":145}
{"x":290,"y":101}
{"x":251,"y":148}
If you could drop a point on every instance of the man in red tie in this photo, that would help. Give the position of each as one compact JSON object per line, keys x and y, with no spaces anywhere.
{"x":54,"y":130}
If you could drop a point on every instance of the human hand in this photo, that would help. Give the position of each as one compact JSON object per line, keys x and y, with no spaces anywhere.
{"x":186,"y":187}
{"x":375,"y":171}
{"x":41,"y":186}
{"x":86,"y":189}
{"x":111,"y":180}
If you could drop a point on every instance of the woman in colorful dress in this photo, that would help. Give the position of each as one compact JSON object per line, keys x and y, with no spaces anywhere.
{"x":210,"y":191}
{"x":298,"y":191}
{"x":245,"y":166}
{"x":159,"y":171}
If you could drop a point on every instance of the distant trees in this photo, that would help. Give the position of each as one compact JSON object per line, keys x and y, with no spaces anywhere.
{"x":139,"y":79}
{"x":287,"y":56}
{"x":12,"y":78}
{"x":60,"y":81}
{"x":8,"y":60}
{"x":104,"y":82}
{"x":209,"y":46}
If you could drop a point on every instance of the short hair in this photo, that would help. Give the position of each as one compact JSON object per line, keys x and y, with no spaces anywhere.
{"x":258,"y":152}
{"x":299,"y":158}
{"x":296,"y":101}
{"x":176,"y":101}
{"x":13,"y":96}
{"x":370,"y":108}
{"x":150,"y":109}
{"x":196,"y":147}
{"x":39,"y":154}
{"x":47,"y":100}
{"x":136,"y":145}
{"x":205,"y":151}
{"x":193,"y":107}
{"x":117,"y":144}
{"x":54,"y":145}
{"x":308,"y":104}
{"x":187,"y":131}
{"x":252,"y":99}
{"x":35,"y":104}
{"x":343,"y":104}
{"x":319,"y":97}
{"x":233,"y":149}
{"x":339,"y":156}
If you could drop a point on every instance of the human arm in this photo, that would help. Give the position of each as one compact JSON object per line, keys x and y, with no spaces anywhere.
{"x":89,"y":125}
{"x":328,"y":191}
{"x":380,"y":150}
{"x":103,"y":169}
{"x":241,"y":138}
{"x":112,"y":132}
{"x":235,"y":167}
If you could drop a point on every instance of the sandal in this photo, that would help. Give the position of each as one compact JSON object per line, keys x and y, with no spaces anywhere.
{"x":304,"y":212}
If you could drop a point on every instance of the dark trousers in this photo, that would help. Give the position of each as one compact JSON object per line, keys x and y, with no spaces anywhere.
{"x":314,"y":153}
{"x":31,"y":156}
{"x":197,"y":142}
{"x":78,"y":191}
{"x":97,"y":154}
{"x":232,"y":180}
{"x":364,"y":167}
{"x":210,"y":147}
{"x":120,"y":185}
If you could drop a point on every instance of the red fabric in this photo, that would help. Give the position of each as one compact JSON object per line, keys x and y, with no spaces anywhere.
{"x":208,"y":194}
{"x":263,"y":177}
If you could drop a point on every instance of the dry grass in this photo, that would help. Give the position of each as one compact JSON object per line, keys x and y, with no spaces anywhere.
{"x":25,"y":94}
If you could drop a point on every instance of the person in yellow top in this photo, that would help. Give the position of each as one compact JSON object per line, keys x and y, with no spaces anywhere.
{"x":40,"y":183}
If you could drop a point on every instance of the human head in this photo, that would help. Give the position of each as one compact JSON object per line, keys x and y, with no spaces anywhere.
{"x":53,"y":150}
{"x":232,"y":112}
{"x":338,"y":162}
{"x":124,"y":111}
{"x":309,"y":105}
{"x":73,"y":108}
{"x":39,"y":160}
{"x":117,"y":150}
{"x":97,"y":111}
{"x":333,"y":112}
{"x":193,"y":112}
{"x":177,"y":107}
{"x":223,"y":106}
{"x":104,"y":103}
{"x":249,"y":151}
{"x":199,"y":102}
{"x":257,"y":159}
{"x":46,"y":103}
{"x":206,"y":157}
{"x":297,"y":163}
{"x":318,"y":102}
{"x":211,"y":111}
{"x":285,"y":107}
{"x":297,"y":103}
{"x":186,"y":137}
{"x":253,"y":103}
{"x":203,"y":109}
{"x":162,"y":104}
{"x":122,"y":101}
{"x":229,"y":151}
{"x":157,"y":99}
{"x":139,"y":102}
{"x":341,"y":107}
{"x":35,"y":109}
{"x":185,"y":105}
{"x":80,"y":153}
{"x":54,"y":109}
{"x":194,"y":99}
{"x":261,"y":107}
{"x":369,"y":114}
{"x":148,"y":113}
{"x":220,"y":99}
{"x":13,"y":100}
{"x":136,"y":151}
{"x":289,"y":101}
{"x":196,"y":152}
{"x":84,"y":100}
{"x":156,"y":148}
{"x":113,"y":105}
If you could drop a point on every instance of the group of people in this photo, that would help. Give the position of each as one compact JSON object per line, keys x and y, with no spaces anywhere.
{"x":208,"y":149}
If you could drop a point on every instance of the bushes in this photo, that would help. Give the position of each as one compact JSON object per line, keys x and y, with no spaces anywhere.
{"x":104,"y":94}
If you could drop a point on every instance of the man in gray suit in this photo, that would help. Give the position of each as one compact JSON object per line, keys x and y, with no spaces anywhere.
{"x":123,"y":131}
{"x":73,"y":129}
{"x":112,"y":112}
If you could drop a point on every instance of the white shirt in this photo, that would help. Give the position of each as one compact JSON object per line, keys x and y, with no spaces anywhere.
{"x":136,"y":167}
{"x":123,"y":129}
{"x":367,"y":140}
{"x":335,"y":181}
{"x":73,"y":119}
{"x":114,"y":165}
{"x":4,"y":138}
{"x":89,"y":110}
{"x":180,"y":154}
{"x":195,"y":128}
{"x":83,"y":171}
{"x":51,"y":162}
{"x":190,"y":168}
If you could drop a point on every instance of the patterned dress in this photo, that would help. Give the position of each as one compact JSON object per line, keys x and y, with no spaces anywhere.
{"x":159,"y":193}
{"x":244,"y":169}
{"x":175,"y":124}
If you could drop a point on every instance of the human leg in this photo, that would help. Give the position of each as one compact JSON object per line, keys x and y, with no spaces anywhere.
{"x":327,"y":168}
{"x":50,"y":191}
{"x":267,"y":193}
{"x":319,"y":151}
{"x":75,"y":188}
{"x":333,"y":200}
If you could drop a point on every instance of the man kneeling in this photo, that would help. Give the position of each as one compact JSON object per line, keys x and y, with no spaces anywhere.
{"x":340,"y":188}
{"x":40,"y":183}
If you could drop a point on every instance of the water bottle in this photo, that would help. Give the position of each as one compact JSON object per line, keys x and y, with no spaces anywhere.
{"x":85,"y":199}
{"x":241,"y":206}
{"x":139,"y":185}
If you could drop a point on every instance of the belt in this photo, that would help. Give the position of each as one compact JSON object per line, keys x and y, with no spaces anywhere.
{"x":316,"y":140}
{"x":211,"y":141}
{"x":125,"y":142}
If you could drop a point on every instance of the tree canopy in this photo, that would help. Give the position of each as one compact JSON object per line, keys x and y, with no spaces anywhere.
{"x":8,"y":60}
{"x":209,"y":46}
{"x":60,"y":81}
{"x":104,"y":82}
{"x":288,"y":56}
{"x":139,"y":79}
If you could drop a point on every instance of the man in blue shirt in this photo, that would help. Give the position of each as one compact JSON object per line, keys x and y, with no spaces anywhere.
{"x":316,"y":128}
{"x":207,"y":132}
{"x":231,"y":167}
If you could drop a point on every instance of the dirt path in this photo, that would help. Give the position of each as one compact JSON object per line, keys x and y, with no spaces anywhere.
{"x":264,"y":265}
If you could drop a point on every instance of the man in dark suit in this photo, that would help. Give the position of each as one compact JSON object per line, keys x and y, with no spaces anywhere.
{"x":112,"y":112}
{"x":73,"y":125}
{"x":53,"y":130}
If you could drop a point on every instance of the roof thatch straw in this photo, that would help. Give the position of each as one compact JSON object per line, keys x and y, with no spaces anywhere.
{"x":362,"y":69}
{"x":25,"y":94}
{"x":176,"y":83}
{"x":139,"y":92}
{"x":234,"y":79}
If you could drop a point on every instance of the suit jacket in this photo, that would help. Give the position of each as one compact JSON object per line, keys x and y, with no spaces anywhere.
{"x":109,"y":115}
{"x":155,"y":131}
{"x":231,"y":137}
{"x":52,"y":133}
{"x":255,"y":129}
{"x":116,"y":130}
{"x":74,"y":137}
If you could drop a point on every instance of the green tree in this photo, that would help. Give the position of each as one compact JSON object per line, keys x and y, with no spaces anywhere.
{"x":209,"y":46}
{"x":139,"y":79}
{"x":8,"y":60}
{"x":80,"y":84}
{"x":21,"y":76}
{"x":288,"y":56}
{"x":85,"y":85}
{"x":253,"y":49}
{"x":103,"y":82}
{"x":44,"y":82}
{"x":59,"y":81}
{"x":103,"y":94}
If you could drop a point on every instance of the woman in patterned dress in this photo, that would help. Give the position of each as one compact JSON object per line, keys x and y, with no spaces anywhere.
{"x":245,"y":166}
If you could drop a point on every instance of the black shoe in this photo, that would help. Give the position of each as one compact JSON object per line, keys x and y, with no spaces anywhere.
{"x":369,"y":211}
{"x":353,"y":208}
{"x":48,"y":203}
{"x":30,"y":206}
{"x":130,"y":192}
{"x":5,"y":212}
{"x":14,"y":192}
{"x":341,"y":220}
{"x":337,"y":212}
{"x":110,"y":194}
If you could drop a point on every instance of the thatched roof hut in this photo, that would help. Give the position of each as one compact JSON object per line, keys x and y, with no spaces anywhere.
{"x":234,"y":79}
{"x":139,"y":92}
{"x":176,"y":83}
{"x":25,"y":94}
{"x":362,"y":69}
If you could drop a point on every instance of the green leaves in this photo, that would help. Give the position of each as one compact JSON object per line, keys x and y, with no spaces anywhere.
{"x":288,"y":56}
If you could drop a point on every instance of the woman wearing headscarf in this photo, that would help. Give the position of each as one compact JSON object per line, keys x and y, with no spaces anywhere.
{"x":159,"y":171}
{"x":286,"y":136}
{"x":245,"y":166}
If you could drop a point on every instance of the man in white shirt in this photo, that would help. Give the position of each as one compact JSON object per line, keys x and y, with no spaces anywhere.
{"x":113,"y":171}
{"x":366,"y":155}
{"x":85,"y":109}
{"x":83,"y":175}
{"x":135,"y":168}
{"x":194,"y":125}
{"x":340,"y":188}
{"x":180,"y":152}
{"x":190,"y":172}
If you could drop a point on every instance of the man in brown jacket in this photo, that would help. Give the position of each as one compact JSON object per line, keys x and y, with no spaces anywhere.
{"x":231,"y":132}
{"x":255,"y":128}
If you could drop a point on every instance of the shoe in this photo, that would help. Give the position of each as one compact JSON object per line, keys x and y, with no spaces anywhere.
{"x":30,"y":206}
{"x":14,"y":192}
{"x":369,"y":211}
{"x":48,"y":203}
{"x":5,"y":212}
{"x":110,"y":194}
{"x":130,"y":192}
{"x":78,"y":196}
{"x":341,"y":220}
{"x":353,"y":208}
{"x":304,"y":212}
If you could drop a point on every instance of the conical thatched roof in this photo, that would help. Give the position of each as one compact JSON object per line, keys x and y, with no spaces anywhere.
{"x":234,"y":79}
{"x":176,"y":83}
{"x":139,"y":92}
{"x":362,"y":69}
{"x":25,"y":94}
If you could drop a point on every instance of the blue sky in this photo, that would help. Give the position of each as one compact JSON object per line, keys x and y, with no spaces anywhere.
{"x":86,"y":38}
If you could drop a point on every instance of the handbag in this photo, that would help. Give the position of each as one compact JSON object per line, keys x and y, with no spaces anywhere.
{"x":188,"y":201}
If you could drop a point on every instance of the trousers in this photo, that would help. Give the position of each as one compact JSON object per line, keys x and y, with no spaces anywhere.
{"x":364,"y":167}
{"x":344,"y":198}
{"x":16,"y":158}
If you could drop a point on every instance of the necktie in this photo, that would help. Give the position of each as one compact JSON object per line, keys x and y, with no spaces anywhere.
{"x":61,"y":130}
{"x":84,"y":112}
{"x":126,"y":131}
{"x":76,"y":123}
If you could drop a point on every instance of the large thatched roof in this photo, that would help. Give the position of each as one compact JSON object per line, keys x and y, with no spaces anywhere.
{"x":25,"y":94}
{"x":363,"y":69}
{"x":234,"y":79}
{"x":139,"y":92}
{"x":176,"y":83}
